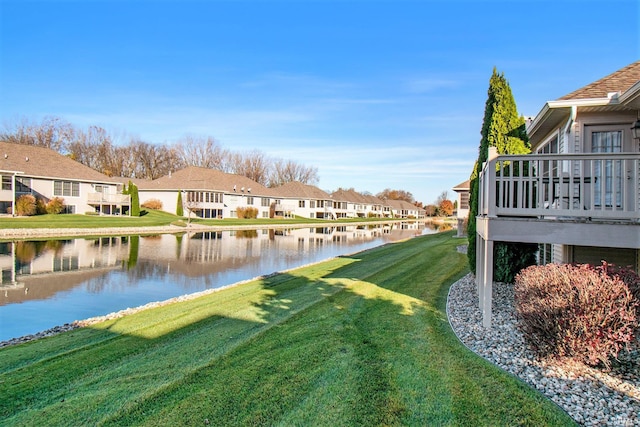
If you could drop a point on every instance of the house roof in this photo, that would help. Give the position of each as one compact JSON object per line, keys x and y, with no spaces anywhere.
{"x":297,"y":189}
{"x":463,"y":186}
{"x":43,"y":162}
{"x":374,"y":200}
{"x":619,"y":91}
{"x":349,"y":196}
{"x":197,"y":178}
{"x":618,"y":81}
{"x":402,"y":205}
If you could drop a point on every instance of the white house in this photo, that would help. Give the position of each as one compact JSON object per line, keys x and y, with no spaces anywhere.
{"x":208,"y":193}
{"x":307,"y":201}
{"x":578,"y":194}
{"x":45,"y":174}
{"x":462,"y":212}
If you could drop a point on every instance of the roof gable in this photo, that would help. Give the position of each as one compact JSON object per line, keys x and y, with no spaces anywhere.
{"x":43,"y":162}
{"x":297,"y":189}
{"x":618,"y":81}
{"x":197,"y":178}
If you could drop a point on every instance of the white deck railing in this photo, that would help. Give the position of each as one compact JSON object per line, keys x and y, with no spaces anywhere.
{"x":603,"y":186}
{"x":116,"y":199}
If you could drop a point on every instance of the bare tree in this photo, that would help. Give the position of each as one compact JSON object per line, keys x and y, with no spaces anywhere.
{"x":52,"y":132}
{"x":152,"y":161}
{"x":203,"y":152}
{"x":283,"y":171}
{"x":92,"y":148}
{"x":395,"y":195}
{"x":442,"y":197}
{"x":252,"y":164}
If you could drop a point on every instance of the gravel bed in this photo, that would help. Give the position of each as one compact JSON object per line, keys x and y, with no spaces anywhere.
{"x":592,"y":397}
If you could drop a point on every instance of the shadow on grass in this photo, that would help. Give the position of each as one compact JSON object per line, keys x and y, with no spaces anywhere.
{"x":352,"y":341}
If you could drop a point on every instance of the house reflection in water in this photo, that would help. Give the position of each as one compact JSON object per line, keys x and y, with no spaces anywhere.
{"x":49,"y":283}
{"x":39,"y":269}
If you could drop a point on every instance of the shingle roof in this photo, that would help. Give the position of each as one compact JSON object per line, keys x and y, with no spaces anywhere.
{"x":349,"y":196}
{"x":196,"y":178}
{"x":618,"y":81}
{"x":299,"y":190}
{"x":463,"y":186}
{"x":43,"y":162}
{"x":402,"y":205}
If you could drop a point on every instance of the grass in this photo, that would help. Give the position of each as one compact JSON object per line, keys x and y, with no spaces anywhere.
{"x":152,"y":218}
{"x":357,"y":340}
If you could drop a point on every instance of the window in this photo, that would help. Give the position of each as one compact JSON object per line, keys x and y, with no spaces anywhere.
{"x":607,"y":141}
{"x":312,"y":204}
{"x":550,"y":147}
{"x":7,"y":182}
{"x":301,"y":203}
{"x":265,"y":201}
{"x":464,"y":200}
{"x":250,"y":200}
{"x":66,"y":188}
{"x":23,"y":185}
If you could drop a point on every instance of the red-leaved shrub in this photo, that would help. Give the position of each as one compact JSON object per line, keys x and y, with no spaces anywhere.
{"x":578,"y":311}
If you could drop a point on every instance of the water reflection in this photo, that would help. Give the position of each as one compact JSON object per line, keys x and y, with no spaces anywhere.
{"x":48,"y":283}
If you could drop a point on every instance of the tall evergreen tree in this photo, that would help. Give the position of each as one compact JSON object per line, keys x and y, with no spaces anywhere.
{"x":132,"y":190}
{"x":179,"y":207}
{"x":503,"y":128}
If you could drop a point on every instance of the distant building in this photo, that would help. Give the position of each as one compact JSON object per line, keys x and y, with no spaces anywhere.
{"x":462,"y":213}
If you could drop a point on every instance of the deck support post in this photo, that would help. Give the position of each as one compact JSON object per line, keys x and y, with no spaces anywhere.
{"x":484,"y":277}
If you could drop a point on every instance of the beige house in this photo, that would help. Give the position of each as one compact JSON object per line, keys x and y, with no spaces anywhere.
{"x":307,"y":201}
{"x":208,"y":193}
{"x":45,"y":174}
{"x":462,"y":212}
{"x":405,"y":210}
{"x":578,"y":194}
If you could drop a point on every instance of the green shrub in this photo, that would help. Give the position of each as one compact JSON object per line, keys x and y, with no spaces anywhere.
{"x":26,"y":205}
{"x":55,"y":205}
{"x":577,"y":311}
{"x":247,"y":213}
{"x":510,"y":258}
{"x":153,"y":204}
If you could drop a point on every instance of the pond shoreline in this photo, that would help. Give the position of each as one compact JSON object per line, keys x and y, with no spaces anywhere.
{"x":36,"y":233}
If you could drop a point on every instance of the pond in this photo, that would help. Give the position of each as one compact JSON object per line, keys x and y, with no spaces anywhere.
{"x":49,"y":283}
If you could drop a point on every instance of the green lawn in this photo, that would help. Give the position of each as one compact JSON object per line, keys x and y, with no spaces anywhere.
{"x":358,"y":340}
{"x":152,"y":218}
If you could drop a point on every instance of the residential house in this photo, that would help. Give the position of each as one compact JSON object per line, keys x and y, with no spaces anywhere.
{"x":304,"y":200}
{"x":45,"y":174}
{"x":378,"y":207}
{"x":208,"y":193}
{"x":578,"y":194}
{"x":462,"y":211}
{"x":405,"y":210}
{"x":351,"y":204}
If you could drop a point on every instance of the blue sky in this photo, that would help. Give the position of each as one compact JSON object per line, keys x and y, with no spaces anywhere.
{"x":375,"y":94}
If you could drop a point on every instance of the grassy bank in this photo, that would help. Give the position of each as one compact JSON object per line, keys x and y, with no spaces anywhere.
{"x":358,"y":340}
{"x":152,"y":218}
